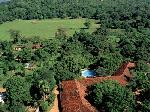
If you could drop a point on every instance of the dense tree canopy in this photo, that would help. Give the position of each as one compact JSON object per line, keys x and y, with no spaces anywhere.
{"x":112,"y":97}
{"x":113,"y":13}
{"x":18,"y":91}
{"x":123,"y":35}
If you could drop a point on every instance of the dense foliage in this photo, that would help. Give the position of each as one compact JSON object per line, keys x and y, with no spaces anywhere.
{"x":112,"y":97}
{"x":123,"y":35}
{"x":113,"y":13}
{"x":18,"y":92}
{"x":140,"y":84}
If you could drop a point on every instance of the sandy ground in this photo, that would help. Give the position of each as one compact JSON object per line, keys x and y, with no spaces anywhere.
{"x":55,"y":106}
{"x":2,"y":90}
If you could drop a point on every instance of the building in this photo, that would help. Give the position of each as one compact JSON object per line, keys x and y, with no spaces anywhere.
{"x":73,"y":92}
{"x":37,"y":46}
{"x":18,"y":47}
{"x":28,"y":66}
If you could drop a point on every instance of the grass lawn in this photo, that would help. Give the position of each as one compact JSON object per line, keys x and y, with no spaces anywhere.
{"x":44,"y":28}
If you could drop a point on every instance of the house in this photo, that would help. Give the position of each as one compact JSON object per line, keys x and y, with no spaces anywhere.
{"x":73,"y":92}
{"x":18,"y":47}
{"x":37,"y":46}
{"x":29,"y":66}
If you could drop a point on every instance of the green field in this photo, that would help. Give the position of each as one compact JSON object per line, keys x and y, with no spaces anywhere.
{"x":43,"y":28}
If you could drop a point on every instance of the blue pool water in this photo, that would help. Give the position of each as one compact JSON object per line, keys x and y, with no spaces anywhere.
{"x":88,"y":73}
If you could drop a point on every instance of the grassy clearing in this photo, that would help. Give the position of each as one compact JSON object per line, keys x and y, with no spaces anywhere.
{"x":44,"y":28}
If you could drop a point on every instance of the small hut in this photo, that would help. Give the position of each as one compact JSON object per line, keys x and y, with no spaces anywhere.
{"x":19,"y":47}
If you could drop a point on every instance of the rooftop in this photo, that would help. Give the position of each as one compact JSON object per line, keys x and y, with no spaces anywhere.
{"x":74,"y":91}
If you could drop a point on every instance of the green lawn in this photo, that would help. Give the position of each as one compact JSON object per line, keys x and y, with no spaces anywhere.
{"x":44,"y":28}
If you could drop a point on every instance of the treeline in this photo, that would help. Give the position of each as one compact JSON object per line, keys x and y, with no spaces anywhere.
{"x":43,"y":9}
{"x":113,"y":13}
{"x":125,"y":14}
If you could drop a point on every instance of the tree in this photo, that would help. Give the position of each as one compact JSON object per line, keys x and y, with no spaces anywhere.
{"x":140,"y":84}
{"x":109,"y":63}
{"x":17,"y":107}
{"x":51,"y":98}
{"x":110,"y":96}
{"x":61,"y":34}
{"x":140,"y":81}
{"x":142,"y":66}
{"x":43,"y":83}
{"x":44,"y":106}
{"x":18,"y":91}
{"x":25,"y":55}
{"x":15,"y":36}
{"x":87,"y":24}
{"x":44,"y":88}
{"x":3,"y":67}
{"x":20,"y":69}
{"x":146,"y":105}
{"x":4,"y":107}
{"x":100,"y":71}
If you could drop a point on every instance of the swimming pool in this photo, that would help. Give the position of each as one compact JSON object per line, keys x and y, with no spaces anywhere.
{"x":88,"y":73}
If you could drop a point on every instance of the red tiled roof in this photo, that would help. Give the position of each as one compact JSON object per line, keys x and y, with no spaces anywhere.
{"x":124,"y":68}
{"x":36,"y":46}
{"x":72,"y":96}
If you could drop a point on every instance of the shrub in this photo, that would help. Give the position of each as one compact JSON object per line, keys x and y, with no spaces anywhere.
{"x":51,"y":98}
{"x":44,"y":106}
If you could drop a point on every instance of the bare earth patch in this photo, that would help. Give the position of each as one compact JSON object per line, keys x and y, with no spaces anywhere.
{"x":55,"y":107}
{"x":2,"y":90}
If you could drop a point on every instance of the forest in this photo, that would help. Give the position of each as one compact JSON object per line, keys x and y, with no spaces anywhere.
{"x":123,"y":35}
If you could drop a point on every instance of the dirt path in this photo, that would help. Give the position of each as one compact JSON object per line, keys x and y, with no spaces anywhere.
{"x":55,"y":107}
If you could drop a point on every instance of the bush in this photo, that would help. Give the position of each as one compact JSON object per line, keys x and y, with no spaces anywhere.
{"x":52,"y":83}
{"x":3,"y":107}
{"x":51,"y":98}
{"x":112,"y":97}
{"x":87,"y":24}
{"x":17,"y":108}
{"x":102,"y":72}
{"x":44,"y":106}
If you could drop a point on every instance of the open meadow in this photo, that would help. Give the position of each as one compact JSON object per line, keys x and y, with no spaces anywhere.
{"x":44,"y":28}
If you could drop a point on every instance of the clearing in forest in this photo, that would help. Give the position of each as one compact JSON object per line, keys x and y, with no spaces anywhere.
{"x":44,"y":28}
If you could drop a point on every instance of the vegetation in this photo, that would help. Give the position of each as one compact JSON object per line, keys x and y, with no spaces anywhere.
{"x":87,"y":24}
{"x":44,"y":28}
{"x":118,"y":13}
{"x":122,"y":35}
{"x":140,"y":84}
{"x":112,"y":97}
{"x":18,"y":93}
